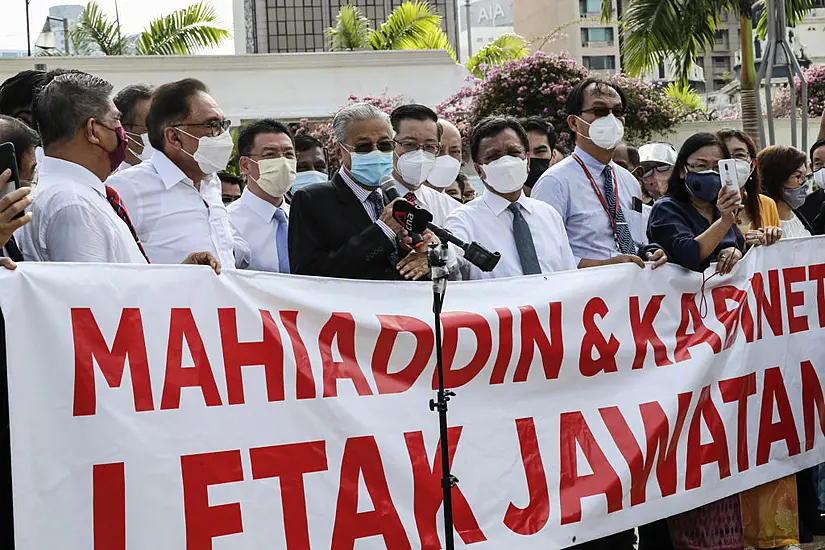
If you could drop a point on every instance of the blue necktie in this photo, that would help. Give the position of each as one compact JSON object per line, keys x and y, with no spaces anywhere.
{"x":625,"y":241}
{"x":281,"y":241}
{"x":525,"y":246}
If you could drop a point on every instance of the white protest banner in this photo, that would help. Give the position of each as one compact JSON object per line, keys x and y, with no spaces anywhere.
{"x":167,"y":408}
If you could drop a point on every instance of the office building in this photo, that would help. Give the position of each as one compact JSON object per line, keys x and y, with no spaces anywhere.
{"x":592,"y":43}
{"x":53,"y":35}
{"x":286,"y":26}
{"x":489,"y":19}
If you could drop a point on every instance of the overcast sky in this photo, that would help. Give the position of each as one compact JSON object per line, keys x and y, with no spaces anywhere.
{"x":134,"y":16}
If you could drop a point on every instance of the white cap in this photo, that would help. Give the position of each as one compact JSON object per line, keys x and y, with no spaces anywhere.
{"x":664,"y":153}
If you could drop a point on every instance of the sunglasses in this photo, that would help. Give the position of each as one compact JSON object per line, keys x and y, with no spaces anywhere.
{"x":600,"y":112}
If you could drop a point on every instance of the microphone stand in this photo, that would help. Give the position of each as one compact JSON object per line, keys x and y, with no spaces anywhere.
{"x":437,"y":258}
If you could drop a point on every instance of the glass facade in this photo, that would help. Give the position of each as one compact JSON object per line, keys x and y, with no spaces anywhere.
{"x":599,"y":62}
{"x":298,"y":25}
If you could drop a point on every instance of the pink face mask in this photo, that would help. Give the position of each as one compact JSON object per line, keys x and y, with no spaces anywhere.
{"x":118,"y":154}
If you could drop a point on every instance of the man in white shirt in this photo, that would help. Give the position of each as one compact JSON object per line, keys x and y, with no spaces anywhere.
{"x":133,"y":102}
{"x":267,"y":158}
{"x":174,"y":198}
{"x":599,"y":201}
{"x":75,"y":217}
{"x":528,"y":233}
{"x":417,"y":144}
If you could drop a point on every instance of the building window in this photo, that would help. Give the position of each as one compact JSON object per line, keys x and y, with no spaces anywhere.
{"x":599,"y":62}
{"x":720,"y":38}
{"x":597,"y":37}
{"x":700,"y":61}
{"x":587,"y":7}
{"x":719,"y":83}
{"x":721,"y":63}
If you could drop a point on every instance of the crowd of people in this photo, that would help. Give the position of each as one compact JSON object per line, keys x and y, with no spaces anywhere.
{"x":139,"y":177}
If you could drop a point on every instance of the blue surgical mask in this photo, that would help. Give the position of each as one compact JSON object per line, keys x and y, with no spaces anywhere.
{"x":704,"y":185}
{"x":369,"y":168}
{"x":302,"y":179}
{"x":796,"y":197}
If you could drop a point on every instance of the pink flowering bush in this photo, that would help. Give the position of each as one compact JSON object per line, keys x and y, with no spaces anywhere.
{"x":538,"y":85}
{"x":815,"y":76}
{"x":323,"y":131}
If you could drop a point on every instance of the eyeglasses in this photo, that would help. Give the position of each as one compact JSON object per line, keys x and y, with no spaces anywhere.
{"x":618,"y":112}
{"x":216,"y":127}
{"x":700,"y":167}
{"x":661,"y":169}
{"x":742,"y":156}
{"x":408,"y":146}
{"x":801,"y":176}
{"x":385,"y":146}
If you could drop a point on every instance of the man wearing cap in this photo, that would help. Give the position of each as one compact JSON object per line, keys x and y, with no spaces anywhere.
{"x":657,"y":160}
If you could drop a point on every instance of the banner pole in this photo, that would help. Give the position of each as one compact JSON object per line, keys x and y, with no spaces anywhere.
{"x":437,"y":258}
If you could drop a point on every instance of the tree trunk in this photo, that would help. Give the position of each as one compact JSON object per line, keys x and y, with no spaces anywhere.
{"x":747,"y":73}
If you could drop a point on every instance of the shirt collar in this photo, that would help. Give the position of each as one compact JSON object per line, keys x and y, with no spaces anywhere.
{"x":499,"y":204}
{"x":593,"y":164}
{"x":51,"y":166}
{"x":169,"y":173}
{"x":265,"y":210}
{"x":361,"y":193}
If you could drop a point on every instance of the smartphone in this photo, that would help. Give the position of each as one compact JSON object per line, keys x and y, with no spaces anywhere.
{"x":727,"y":171}
{"x":8,"y":160}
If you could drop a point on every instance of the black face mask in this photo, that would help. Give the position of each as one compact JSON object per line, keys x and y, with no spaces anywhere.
{"x":537,"y":168}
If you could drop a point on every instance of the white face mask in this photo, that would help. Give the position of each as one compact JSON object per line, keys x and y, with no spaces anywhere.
{"x":506,"y":175}
{"x":444,"y":172}
{"x":147,"y":147}
{"x":605,"y":132}
{"x":212,"y":153}
{"x":276,"y":176}
{"x":819,"y":178}
{"x":743,"y":172}
{"x":415,"y":166}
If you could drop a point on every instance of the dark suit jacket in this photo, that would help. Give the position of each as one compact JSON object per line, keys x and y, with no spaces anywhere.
{"x":331,"y":235}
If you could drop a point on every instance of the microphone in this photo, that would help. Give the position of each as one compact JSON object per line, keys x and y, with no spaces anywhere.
{"x":417,"y":219}
{"x":389,"y":187}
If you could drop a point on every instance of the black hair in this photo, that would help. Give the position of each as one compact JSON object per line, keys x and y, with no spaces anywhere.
{"x":676,"y":183}
{"x":462,"y":181}
{"x":492,"y":126}
{"x":633,"y":155}
{"x":776,"y":164}
{"x":248,"y":133}
{"x":412,"y":111}
{"x":126,"y":101}
{"x":819,"y":143}
{"x":17,"y":92}
{"x":170,"y":106}
{"x":24,"y":139}
{"x":305,"y":142}
{"x":538,"y":124}
{"x":575,"y":101}
{"x":66,"y":104}
{"x":229,"y":177}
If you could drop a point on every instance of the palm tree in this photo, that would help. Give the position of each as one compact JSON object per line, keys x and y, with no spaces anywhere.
{"x":656,"y":30}
{"x":182,"y":32}
{"x":414,"y":26}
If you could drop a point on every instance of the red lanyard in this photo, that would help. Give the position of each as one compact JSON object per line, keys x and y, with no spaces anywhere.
{"x":598,"y":192}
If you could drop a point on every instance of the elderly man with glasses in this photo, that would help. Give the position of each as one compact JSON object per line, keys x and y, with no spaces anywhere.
{"x":174,"y":198}
{"x":344,"y":227}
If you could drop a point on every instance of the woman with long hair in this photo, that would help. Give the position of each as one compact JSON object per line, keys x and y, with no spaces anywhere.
{"x":695,"y":222}
{"x":770,"y":516}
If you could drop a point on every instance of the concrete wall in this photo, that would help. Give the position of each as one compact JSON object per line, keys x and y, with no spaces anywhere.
{"x":782,"y":126}
{"x":279,"y":85}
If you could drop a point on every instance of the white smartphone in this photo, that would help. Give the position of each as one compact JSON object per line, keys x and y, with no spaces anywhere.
{"x":727,"y":171}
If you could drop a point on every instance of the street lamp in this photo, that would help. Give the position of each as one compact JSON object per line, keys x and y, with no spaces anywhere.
{"x":47,"y":41}
{"x":28,"y":32}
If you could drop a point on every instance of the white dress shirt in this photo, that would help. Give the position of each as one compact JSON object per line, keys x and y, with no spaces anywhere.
{"x":440,"y":205}
{"x":73,"y":221}
{"x":488,"y":221}
{"x":254,"y":220}
{"x":172,"y":217}
{"x":566,"y":187}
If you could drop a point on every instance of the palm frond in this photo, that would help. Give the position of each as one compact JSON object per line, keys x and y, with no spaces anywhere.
{"x":434,"y":39}
{"x":795,"y":11}
{"x":351,"y":30}
{"x":182,"y":32}
{"x":408,"y":23}
{"x":689,"y":101}
{"x":507,"y":47}
{"x":95,"y":29}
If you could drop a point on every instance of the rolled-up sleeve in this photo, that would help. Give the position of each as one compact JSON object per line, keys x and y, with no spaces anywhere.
{"x":670,"y":228}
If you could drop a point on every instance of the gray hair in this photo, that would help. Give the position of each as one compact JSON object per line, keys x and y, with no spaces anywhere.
{"x":65,"y":105}
{"x":352,"y":113}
